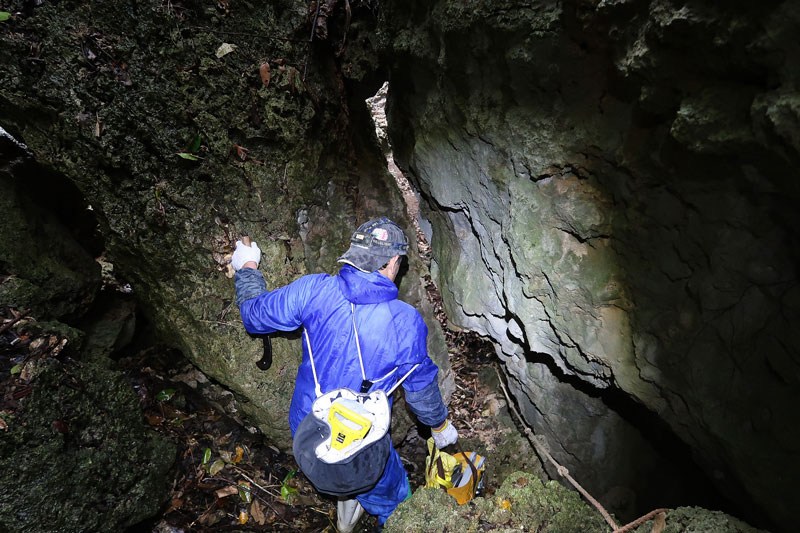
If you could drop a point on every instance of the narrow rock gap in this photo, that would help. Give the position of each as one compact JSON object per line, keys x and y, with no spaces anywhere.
{"x":477,"y":405}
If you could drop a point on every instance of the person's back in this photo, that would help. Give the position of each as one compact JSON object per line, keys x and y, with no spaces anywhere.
{"x":358,"y":336}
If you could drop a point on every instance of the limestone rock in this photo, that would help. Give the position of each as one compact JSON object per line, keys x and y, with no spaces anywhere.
{"x":609,"y":189}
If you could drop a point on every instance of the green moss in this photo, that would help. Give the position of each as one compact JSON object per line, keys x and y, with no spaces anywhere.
{"x":691,"y":519}
{"x":77,"y":456}
{"x":523,"y":502}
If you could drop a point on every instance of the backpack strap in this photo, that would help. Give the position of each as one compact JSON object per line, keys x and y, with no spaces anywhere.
{"x":317,"y":388}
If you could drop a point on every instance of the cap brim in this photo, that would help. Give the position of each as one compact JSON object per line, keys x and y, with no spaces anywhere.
{"x":364,"y":260}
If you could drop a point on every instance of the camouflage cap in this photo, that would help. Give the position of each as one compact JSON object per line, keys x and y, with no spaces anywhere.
{"x":374,"y":243}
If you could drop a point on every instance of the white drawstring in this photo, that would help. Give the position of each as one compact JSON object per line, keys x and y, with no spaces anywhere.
{"x":317,"y":388}
{"x":358,"y":344}
{"x":401,"y":380}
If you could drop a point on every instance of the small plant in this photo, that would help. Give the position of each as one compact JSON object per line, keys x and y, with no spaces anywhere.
{"x":192,"y":149}
{"x":165,"y":395}
{"x":287,"y":491}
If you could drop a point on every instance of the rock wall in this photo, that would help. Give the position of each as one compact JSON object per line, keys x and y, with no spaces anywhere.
{"x":78,"y":456}
{"x":42,"y":264}
{"x":609,"y":189}
{"x":185,"y":125}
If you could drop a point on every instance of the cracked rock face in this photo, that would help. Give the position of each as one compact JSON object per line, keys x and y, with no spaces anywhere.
{"x":610,"y":193}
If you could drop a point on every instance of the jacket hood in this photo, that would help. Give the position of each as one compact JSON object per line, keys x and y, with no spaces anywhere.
{"x":365,"y":288}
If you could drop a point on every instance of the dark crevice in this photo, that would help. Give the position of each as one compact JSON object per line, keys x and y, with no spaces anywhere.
{"x":54,"y":193}
{"x":695,"y":487}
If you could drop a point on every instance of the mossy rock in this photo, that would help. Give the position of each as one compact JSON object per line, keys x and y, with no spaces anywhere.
{"x":77,"y":456}
{"x":690,"y":519}
{"x":523,"y":502}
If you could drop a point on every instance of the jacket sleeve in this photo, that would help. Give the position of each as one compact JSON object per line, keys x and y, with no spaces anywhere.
{"x":427,"y":405}
{"x":422,"y":386}
{"x":249,"y":283}
{"x":278,"y":310}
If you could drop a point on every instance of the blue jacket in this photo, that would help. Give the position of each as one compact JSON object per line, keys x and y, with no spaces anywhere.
{"x":391,"y":333}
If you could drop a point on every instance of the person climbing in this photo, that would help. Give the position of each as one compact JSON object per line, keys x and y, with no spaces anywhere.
{"x":363,"y":339}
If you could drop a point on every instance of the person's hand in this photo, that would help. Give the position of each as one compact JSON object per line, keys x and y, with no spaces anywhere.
{"x":444,"y":435}
{"x":244,"y":254}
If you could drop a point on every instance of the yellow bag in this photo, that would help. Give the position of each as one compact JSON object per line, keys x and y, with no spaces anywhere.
{"x":440,"y":468}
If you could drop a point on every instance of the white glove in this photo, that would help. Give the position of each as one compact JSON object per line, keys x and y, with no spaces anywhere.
{"x":446,"y":436}
{"x":244,"y":253}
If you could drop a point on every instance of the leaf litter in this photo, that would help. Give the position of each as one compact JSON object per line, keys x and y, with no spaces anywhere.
{"x":228,"y":476}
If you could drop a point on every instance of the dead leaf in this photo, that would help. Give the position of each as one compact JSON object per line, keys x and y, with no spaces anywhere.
{"x":239,"y":453}
{"x":210,"y":519}
{"x":57,"y":350}
{"x":216,"y":467}
{"x":3,"y":425}
{"x":265,"y":75}
{"x":243,"y":517}
{"x":241,"y":152}
{"x":659,"y":523}
{"x":37,"y":343}
{"x":220,"y":442}
{"x":257,"y":512}
{"x":154,"y":420}
{"x":226,"y":491}
{"x":225,"y":49}
{"x":175,"y":504}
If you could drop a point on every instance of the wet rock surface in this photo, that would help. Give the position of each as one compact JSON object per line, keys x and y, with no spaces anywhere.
{"x":609,"y":189}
